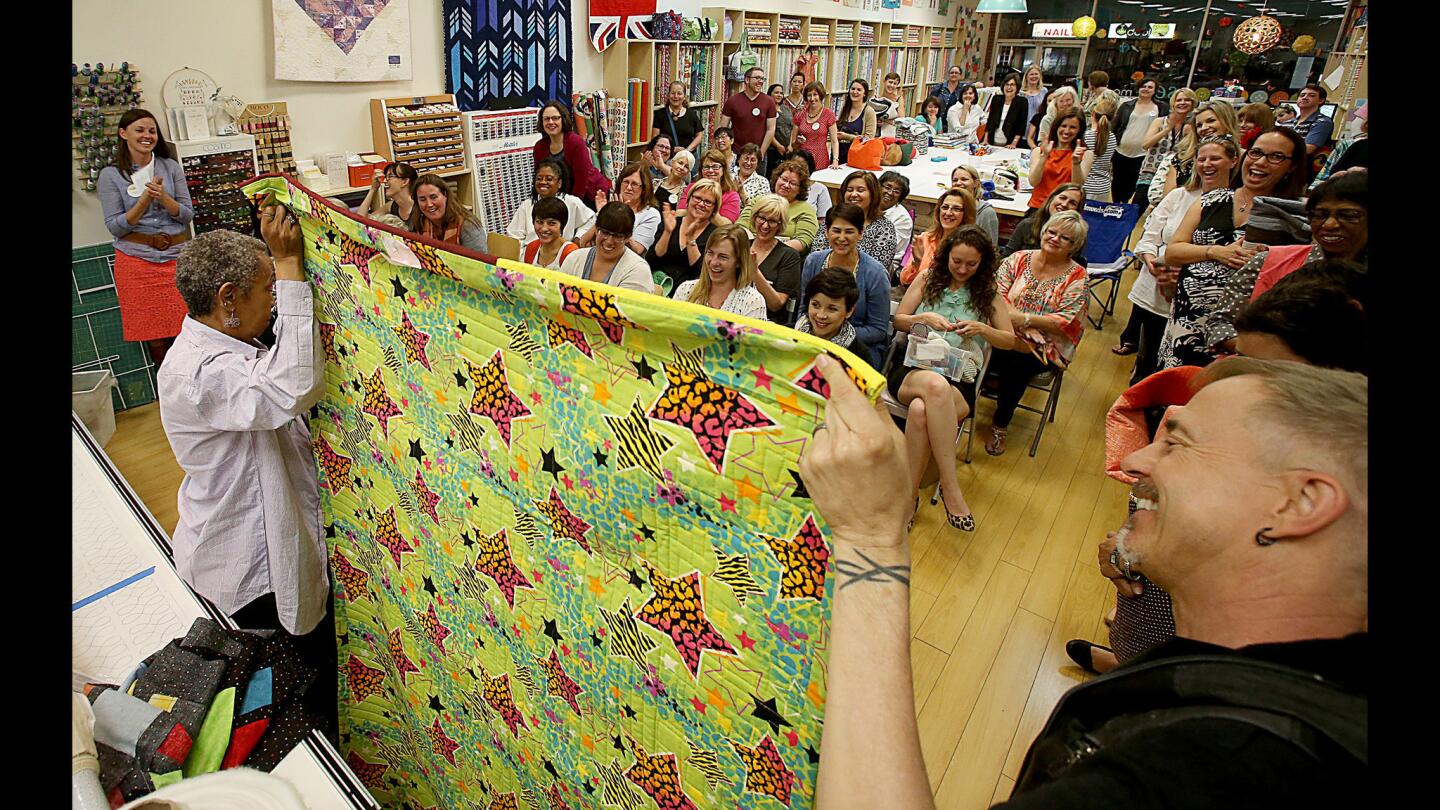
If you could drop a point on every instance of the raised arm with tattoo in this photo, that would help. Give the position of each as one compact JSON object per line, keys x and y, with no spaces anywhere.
{"x":856,"y":472}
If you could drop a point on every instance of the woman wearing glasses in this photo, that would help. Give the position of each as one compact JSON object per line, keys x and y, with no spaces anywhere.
{"x":636,"y":192}
{"x":1045,"y":292}
{"x":1209,"y":245}
{"x":559,"y":141}
{"x":777,"y":264}
{"x":1339,"y":214}
{"x":713,"y":167}
{"x":681,"y":244}
{"x":609,"y":262}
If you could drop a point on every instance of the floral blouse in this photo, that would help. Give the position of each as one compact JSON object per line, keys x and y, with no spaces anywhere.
{"x":1062,"y":299}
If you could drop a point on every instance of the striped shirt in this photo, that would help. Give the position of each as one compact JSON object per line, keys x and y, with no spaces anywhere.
{"x":1097,"y":182}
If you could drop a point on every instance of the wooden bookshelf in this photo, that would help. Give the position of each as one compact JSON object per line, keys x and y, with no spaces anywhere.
{"x":837,"y":38}
{"x":661,"y":62}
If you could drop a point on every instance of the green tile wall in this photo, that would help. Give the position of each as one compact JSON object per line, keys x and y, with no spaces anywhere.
{"x":96,"y":341}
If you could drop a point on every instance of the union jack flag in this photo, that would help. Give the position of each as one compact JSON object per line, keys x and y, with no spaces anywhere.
{"x":619,"y":19}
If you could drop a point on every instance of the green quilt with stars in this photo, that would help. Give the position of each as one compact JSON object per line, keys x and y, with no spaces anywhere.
{"x":573,"y":560}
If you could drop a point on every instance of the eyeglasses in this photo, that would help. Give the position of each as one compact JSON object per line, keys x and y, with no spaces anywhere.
{"x":705,"y":167}
{"x":769,"y":220}
{"x":699,"y":201}
{"x":1348,"y":216}
{"x":1273,"y":158}
{"x":611,"y":235}
{"x":1064,"y":240}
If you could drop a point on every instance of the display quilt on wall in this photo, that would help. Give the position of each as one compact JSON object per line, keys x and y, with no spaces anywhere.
{"x":341,"y":40}
{"x":515,"y":51}
{"x":574,"y":562}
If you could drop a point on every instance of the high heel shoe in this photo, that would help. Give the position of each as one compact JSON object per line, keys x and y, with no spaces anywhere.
{"x":965,"y":523}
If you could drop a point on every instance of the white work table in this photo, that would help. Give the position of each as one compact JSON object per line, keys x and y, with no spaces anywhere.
{"x":127,"y":602}
{"x":930,"y":177}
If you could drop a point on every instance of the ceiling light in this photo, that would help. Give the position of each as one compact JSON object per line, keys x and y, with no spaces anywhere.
{"x":1001,"y":7}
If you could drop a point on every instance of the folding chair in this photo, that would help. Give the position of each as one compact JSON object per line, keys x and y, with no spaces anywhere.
{"x":1048,"y":381}
{"x":1107,"y":251}
{"x":900,"y":411}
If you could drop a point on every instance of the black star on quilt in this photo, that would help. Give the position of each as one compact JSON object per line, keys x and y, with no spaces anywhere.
{"x":812,"y":754}
{"x":629,"y":712}
{"x":435,"y":704}
{"x":644,"y":369}
{"x":429,"y":586}
{"x":549,"y":464}
{"x":460,"y":379}
{"x":399,"y":287}
{"x":550,"y":766}
{"x":618,"y":743}
{"x":469,"y":543}
{"x":636,"y":580}
{"x":594,"y":639}
{"x":647,"y":531}
{"x":552,"y":631}
{"x":589,"y":789}
{"x":800,"y":491}
{"x":600,"y":458}
{"x":329,"y":529}
{"x":474,"y":501}
{"x":417,"y":452}
{"x":766,"y":711}
{"x":462,"y":327}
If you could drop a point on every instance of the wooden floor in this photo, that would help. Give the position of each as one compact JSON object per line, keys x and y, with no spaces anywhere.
{"x":990,"y":611}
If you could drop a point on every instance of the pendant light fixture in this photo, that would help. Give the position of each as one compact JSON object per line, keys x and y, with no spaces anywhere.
{"x":1001,"y":7}
{"x":1258,"y":34}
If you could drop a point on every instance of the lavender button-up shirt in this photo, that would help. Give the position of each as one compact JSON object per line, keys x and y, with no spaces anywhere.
{"x":115,"y":200}
{"x":250,"y":501}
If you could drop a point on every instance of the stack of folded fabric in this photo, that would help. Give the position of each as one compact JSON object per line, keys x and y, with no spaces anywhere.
{"x":214,"y":699}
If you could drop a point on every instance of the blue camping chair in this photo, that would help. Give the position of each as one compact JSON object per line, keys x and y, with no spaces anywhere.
{"x":1107,"y":251}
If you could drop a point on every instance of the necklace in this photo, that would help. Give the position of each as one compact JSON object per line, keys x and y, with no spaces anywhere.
{"x":1246,"y":207}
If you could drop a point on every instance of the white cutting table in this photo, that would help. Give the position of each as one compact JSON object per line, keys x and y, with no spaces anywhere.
{"x":127,"y":602}
{"x":929,"y":177}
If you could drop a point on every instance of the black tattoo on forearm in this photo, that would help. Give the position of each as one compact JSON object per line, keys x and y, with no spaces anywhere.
{"x":853,"y":572}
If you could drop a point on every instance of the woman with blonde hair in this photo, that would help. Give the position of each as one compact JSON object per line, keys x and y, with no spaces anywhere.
{"x":968,"y":177}
{"x":1163,"y":139}
{"x":714,"y":167}
{"x":777,"y":265}
{"x":727,"y":279}
{"x":1060,"y":100}
{"x":1032,"y":87}
{"x":1213,"y":119}
{"x":1100,"y":145}
{"x":668,"y":190}
{"x":681,"y":245}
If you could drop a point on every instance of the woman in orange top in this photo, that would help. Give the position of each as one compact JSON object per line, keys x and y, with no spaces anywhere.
{"x":955,"y":207}
{"x":1057,"y":160}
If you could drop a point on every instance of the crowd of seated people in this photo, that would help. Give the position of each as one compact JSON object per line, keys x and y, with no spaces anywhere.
{"x":1242,"y":434}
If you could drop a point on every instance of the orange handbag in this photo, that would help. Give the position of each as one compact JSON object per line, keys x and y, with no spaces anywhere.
{"x":866,"y":154}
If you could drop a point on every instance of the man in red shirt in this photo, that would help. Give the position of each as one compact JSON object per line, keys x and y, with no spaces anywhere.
{"x":751,"y":114}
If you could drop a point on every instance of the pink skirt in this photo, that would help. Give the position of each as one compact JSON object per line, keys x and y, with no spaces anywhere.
{"x":150,"y":305}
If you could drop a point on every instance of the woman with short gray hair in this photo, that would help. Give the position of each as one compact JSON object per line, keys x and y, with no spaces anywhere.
{"x":249,"y":536}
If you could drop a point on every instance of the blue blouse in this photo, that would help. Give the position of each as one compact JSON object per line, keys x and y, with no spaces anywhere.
{"x":115,"y":200}
{"x":872,"y":311}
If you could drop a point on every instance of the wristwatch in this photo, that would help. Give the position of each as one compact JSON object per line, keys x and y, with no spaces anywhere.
{"x":692,"y":243}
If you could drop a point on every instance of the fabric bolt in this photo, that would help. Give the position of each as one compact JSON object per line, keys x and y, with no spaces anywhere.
{"x":877,"y":241}
{"x":520,"y":51}
{"x":745,"y":301}
{"x":1201,"y":285}
{"x":544,"y":561}
{"x":250,"y":524}
{"x":150,"y":305}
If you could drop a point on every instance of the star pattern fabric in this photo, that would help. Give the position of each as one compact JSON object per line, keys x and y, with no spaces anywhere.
{"x":710,"y":411}
{"x":765,"y":771}
{"x":544,"y":502}
{"x":494,"y":397}
{"x":678,"y":610}
{"x":563,"y":522}
{"x":804,"y":558}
